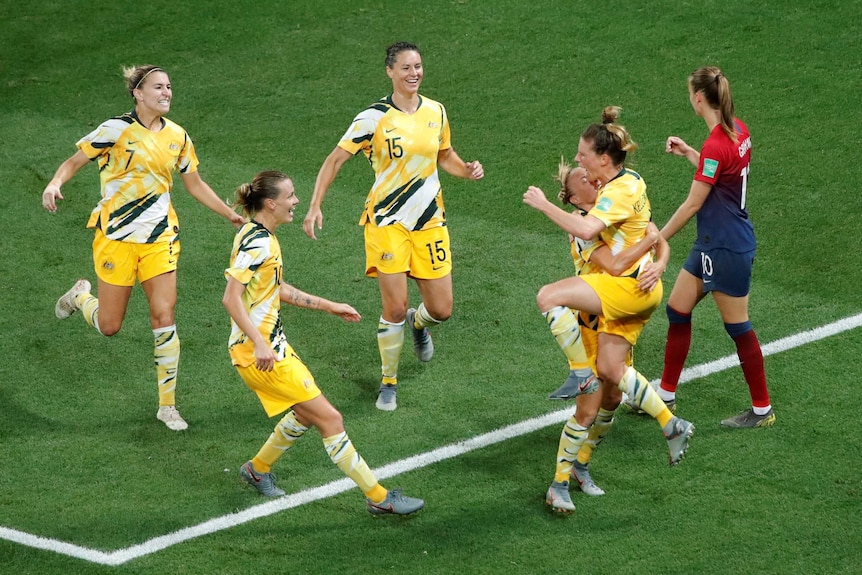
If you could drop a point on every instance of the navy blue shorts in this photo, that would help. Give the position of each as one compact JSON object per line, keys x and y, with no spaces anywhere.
{"x":722,"y":270}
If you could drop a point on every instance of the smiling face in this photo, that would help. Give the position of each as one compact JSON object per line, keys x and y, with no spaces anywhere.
{"x":406,"y":74}
{"x":154,"y":94}
{"x":283,"y":205}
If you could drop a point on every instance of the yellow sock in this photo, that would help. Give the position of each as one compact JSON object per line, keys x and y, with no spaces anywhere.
{"x":390,"y":340}
{"x":377,"y":494}
{"x":344,"y":455}
{"x":423,"y":318}
{"x":167,"y":358}
{"x":571,"y":439}
{"x":645,"y":397}
{"x":564,"y":326}
{"x":89,"y":307}
{"x":598,"y":430}
{"x":286,"y":433}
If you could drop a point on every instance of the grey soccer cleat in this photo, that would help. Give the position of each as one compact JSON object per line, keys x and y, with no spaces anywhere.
{"x":558,"y":498}
{"x":581,"y":474}
{"x":678,"y":431}
{"x":748,"y":419}
{"x":396,"y":503}
{"x":422,"y":344}
{"x":386,"y":397}
{"x":579,"y":382}
{"x":263,"y":482}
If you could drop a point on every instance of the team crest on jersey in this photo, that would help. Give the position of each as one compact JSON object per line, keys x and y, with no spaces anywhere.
{"x":108,"y":265}
{"x":710,"y":167}
{"x":386,"y":256}
{"x":433,"y":125}
{"x":174,"y":146}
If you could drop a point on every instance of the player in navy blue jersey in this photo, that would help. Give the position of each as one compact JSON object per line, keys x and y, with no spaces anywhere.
{"x":721,"y":260}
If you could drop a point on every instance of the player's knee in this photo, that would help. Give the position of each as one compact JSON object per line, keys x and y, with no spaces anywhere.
{"x":109,"y":328}
{"x":331,"y":423}
{"x":544,"y":299}
{"x":441,"y":315}
{"x":585,"y":415}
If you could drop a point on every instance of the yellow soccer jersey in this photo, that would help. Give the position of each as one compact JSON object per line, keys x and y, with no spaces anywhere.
{"x":623,"y":206}
{"x":255,"y":261}
{"x":135,"y":169}
{"x":402,"y":149}
{"x":581,"y":251}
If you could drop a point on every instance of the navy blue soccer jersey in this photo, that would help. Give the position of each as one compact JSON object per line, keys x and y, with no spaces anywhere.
{"x":722,"y":221}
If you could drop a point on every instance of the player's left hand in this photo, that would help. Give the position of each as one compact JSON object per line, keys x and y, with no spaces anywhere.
{"x":475,"y":170}
{"x":345,"y":312}
{"x":650,"y":276}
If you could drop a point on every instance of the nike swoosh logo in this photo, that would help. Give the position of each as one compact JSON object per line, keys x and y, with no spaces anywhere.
{"x":131,"y":143}
{"x":387,"y":130}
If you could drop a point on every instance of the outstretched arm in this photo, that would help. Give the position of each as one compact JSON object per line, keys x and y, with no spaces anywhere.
{"x":584,"y":227}
{"x":202,"y":192}
{"x":293,"y":296}
{"x":325,"y":176}
{"x":63,"y":174}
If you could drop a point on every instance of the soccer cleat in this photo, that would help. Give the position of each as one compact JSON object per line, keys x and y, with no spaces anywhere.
{"x":386,"y":397}
{"x":396,"y":503}
{"x":558,"y":498}
{"x":66,"y":305}
{"x":748,"y":419}
{"x":422,"y":344}
{"x":579,"y":382}
{"x":678,"y":431}
{"x":581,"y":474}
{"x":169,"y":415}
{"x":263,"y":482}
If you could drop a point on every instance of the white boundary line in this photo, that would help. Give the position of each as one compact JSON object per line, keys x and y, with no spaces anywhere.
{"x":151,"y":546}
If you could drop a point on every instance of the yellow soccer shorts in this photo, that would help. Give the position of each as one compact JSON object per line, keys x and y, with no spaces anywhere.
{"x":626,"y":309}
{"x":121,"y":263}
{"x":393,"y":249}
{"x":287,"y":384}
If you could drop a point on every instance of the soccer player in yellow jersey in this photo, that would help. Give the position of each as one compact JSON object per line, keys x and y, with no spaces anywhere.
{"x":136,"y":228}
{"x":620,"y":219}
{"x":405,"y":137}
{"x":265,"y":360}
{"x":593,"y":256}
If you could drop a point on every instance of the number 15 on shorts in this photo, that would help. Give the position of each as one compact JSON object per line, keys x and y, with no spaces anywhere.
{"x":437,"y":255}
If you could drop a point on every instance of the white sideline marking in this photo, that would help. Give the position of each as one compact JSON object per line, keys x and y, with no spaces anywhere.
{"x":121,"y":556}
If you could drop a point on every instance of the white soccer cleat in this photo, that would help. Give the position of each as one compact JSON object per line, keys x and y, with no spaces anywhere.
{"x":169,"y":415}
{"x":66,"y":305}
